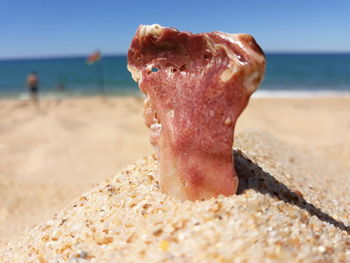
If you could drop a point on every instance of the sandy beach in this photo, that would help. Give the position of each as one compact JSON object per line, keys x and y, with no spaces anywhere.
{"x":52,"y":154}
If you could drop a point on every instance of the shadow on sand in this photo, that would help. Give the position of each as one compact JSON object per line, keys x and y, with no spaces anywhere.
{"x":251,"y":176}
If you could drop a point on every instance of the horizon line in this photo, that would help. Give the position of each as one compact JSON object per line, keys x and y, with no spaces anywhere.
{"x":109,"y":54}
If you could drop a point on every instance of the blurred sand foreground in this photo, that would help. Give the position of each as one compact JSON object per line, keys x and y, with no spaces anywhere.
{"x":52,"y":154}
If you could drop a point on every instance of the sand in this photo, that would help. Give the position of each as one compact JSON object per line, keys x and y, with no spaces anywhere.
{"x":52,"y":155}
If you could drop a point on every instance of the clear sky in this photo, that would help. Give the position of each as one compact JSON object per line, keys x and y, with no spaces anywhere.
{"x":38,"y":28}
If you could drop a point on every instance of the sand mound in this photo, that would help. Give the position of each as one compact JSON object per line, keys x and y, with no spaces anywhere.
{"x":290,"y":207}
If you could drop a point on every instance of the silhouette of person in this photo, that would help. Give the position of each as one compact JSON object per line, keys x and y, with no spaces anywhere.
{"x":33,"y":86}
{"x":60,"y":88}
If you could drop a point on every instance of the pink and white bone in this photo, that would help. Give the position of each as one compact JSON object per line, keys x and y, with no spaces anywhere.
{"x":196,"y":86}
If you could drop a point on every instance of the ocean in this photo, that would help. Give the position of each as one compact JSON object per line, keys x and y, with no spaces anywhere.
{"x":286,"y":75}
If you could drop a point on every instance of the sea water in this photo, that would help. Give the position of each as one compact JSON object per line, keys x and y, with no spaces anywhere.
{"x":286,"y":74}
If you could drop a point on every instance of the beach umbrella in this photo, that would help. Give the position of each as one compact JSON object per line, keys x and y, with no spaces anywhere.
{"x":94,"y":59}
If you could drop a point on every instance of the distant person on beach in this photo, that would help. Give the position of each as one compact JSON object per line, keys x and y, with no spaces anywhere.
{"x":33,"y":85}
{"x":60,"y":88}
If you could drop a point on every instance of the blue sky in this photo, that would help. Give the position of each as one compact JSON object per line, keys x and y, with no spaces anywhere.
{"x":40,"y":28}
